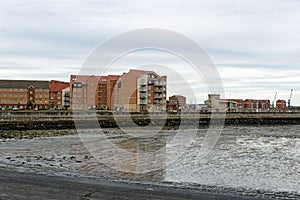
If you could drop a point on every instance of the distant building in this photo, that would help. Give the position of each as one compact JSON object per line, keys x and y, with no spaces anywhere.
{"x":21,"y":94}
{"x":257,"y":104}
{"x":239,"y":103}
{"x":196,"y":108}
{"x":220,"y":105}
{"x":56,"y":93}
{"x":280,"y":104}
{"x":91,"y":92}
{"x":140,"y":90}
{"x":176,"y":102}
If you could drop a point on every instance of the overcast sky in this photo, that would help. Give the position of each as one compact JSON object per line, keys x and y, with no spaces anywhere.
{"x":255,"y":44}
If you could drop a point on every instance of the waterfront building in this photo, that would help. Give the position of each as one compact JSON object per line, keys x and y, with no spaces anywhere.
{"x":257,"y":104}
{"x":66,"y":98}
{"x":280,"y":104}
{"x":21,"y":94}
{"x":239,"y":103}
{"x":56,"y":97}
{"x":106,"y":87}
{"x":92,"y":92}
{"x":140,"y":90}
{"x":176,"y":102}
{"x":220,"y":105}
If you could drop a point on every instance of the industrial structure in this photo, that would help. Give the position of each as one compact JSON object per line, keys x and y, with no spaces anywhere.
{"x":215,"y":103}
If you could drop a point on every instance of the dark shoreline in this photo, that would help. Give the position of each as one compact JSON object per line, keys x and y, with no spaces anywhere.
{"x":68,"y":120}
{"x":24,"y":185}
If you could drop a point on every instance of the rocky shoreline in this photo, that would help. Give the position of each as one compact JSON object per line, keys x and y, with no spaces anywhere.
{"x":69,"y":120}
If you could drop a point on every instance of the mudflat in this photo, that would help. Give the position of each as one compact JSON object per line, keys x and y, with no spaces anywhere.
{"x":24,"y":185}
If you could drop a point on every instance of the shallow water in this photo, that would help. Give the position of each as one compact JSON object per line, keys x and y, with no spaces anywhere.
{"x":245,"y":157}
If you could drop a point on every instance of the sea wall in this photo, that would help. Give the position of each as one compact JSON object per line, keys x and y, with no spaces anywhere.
{"x":70,"y":120}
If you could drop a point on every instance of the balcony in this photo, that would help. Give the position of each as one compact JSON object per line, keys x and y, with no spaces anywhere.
{"x":158,"y":102}
{"x":159,"y":84}
{"x":143,"y":102}
{"x":158,"y":96}
{"x":158,"y":90}
{"x":143,"y":96}
{"x":143,"y":89}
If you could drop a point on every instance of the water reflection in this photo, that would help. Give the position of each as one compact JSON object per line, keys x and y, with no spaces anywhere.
{"x":264,"y":157}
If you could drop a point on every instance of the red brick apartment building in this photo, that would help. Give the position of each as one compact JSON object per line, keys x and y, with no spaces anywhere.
{"x":140,"y":90}
{"x":57,"y":97}
{"x":176,"y":102}
{"x":20,"y":93}
{"x":280,"y":104}
{"x":92,"y":91}
{"x":254,"y":104}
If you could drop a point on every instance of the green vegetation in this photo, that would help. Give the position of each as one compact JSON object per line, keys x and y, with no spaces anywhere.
{"x":29,"y":104}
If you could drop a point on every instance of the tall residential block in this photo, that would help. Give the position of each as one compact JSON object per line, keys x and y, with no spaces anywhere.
{"x":91,"y":92}
{"x":140,"y":90}
{"x":24,"y":94}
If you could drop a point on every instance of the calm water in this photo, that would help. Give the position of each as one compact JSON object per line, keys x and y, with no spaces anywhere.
{"x":246,"y":157}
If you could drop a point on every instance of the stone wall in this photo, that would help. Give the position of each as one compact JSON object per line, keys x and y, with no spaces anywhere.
{"x":65,"y":120}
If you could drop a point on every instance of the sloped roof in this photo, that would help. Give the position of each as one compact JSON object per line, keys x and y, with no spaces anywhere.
{"x":24,"y":84}
{"x":58,"y":86}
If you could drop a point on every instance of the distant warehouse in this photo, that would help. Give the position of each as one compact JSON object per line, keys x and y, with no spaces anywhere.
{"x":23,"y":94}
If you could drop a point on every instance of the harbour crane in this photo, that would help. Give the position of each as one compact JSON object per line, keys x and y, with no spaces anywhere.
{"x":290,"y":99}
{"x":274,"y":101}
